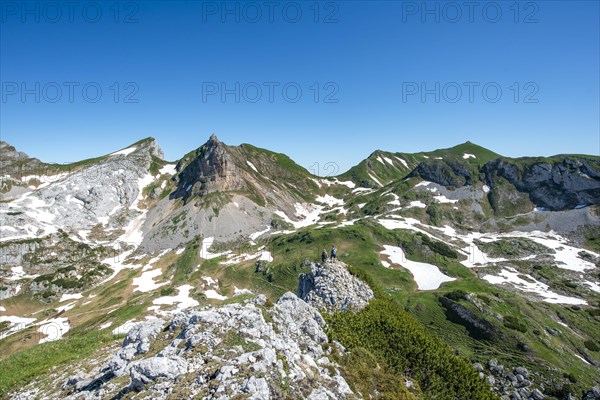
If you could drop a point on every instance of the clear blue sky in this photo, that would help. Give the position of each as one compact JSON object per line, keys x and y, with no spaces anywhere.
{"x":375,"y":55}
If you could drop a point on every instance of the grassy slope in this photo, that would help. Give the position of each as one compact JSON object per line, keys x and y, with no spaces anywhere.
{"x":387,"y":173}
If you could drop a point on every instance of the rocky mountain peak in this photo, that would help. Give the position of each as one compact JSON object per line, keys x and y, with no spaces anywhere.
{"x":213,"y":139}
{"x":15,"y":164}
{"x":148,"y":145}
{"x":210,"y":168}
{"x":8,"y":153}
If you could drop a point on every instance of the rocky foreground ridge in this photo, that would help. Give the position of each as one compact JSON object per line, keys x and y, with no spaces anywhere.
{"x":253,"y":350}
{"x":329,"y":286}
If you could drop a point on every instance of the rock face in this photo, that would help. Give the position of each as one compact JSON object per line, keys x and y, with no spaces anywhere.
{"x":329,"y":286}
{"x":445,"y":173}
{"x":224,"y":352}
{"x":15,"y":169}
{"x":555,"y":186}
{"x":478,"y":328}
{"x":212,"y":170}
{"x":84,"y":195}
{"x":515,"y":383}
{"x":14,"y":163}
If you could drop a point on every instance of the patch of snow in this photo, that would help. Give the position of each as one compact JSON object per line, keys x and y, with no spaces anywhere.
{"x":349,"y":223}
{"x":389,"y":161}
{"x":251,"y":165}
{"x":330,"y":200}
{"x":54,"y":329}
{"x":531,"y":285}
{"x":145,"y":283}
{"x":239,"y":292}
{"x":444,"y":199}
{"x":16,"y":324}
{"x":212,"y":294}
{"x":183,"y":299}
{"x":486,"y":189}
{"x":2,"y":309}
{"x":385,"y":264}
{"x":124,"y":152}
{"x":594,"y":286}
{"x":361,"y":205}
{"x":375,"y":179}
{"x":427,"y":276}
{"x":84,"y":235}
{"x":423,"y":183}
{"x":125,"y":328}
{"x":380,"y":160}
{"x":361,"y":189}
{"x":567,"y":257}
{"x":18,"y":273}
{"x":154,"y":260}
{"x":240,"y":259}
{"x":539,"y":209}
{"x":403,"y":161}
{"x":66,"y":297}
{"x":210,"y":281}
{"x":106,"y":325}
{"x":467,"y":155}
{"x":168,"y":169}
{"x":582,"y":359}
{"x":328,"y":182}
{"x":266,"y":256}
{"x":258,"y":234}
{"x":396,"y":201}
{"x":73,"y":200}
{"x":180,"y":251}
{"x":406,"y":223}
{"x":117,"y":264}
{"x":66,"y":307}
{"x":308,"y":214}
{"x":207,"y":255}
{"x":416,"y":203}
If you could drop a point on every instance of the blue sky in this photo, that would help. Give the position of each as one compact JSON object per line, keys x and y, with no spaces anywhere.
{"x":378,"y":67}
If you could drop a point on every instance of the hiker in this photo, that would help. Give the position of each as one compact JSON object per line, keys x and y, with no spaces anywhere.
{"x":333,"y":252}
{"x":324,"y":255}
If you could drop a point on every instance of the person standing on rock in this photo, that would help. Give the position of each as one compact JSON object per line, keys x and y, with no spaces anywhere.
{"x":324,"y":255}
{"x":333,"y":252}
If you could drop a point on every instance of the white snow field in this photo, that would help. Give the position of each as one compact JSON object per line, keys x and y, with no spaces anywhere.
{"x":182,"y":300}
{"x":53,"y":329}
{"x":530,"y":285}
{"x":427,"y":276}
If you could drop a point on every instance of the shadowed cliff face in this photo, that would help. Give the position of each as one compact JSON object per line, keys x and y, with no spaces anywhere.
{"x":445,"y":173}
{"x":212,"y":170}
{"x":556,"y":186}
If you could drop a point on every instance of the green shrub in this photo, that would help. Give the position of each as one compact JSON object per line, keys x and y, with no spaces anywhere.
{"x":594,"y":312}
{"x":590,"y":345}
{"x":514,"y":323}
{"x":384,"y":329}
{"x":368,"y":374}
{"x":456,"y":295}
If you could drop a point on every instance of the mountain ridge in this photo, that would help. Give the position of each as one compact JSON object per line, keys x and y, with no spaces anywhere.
{"x":493,"y":255}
